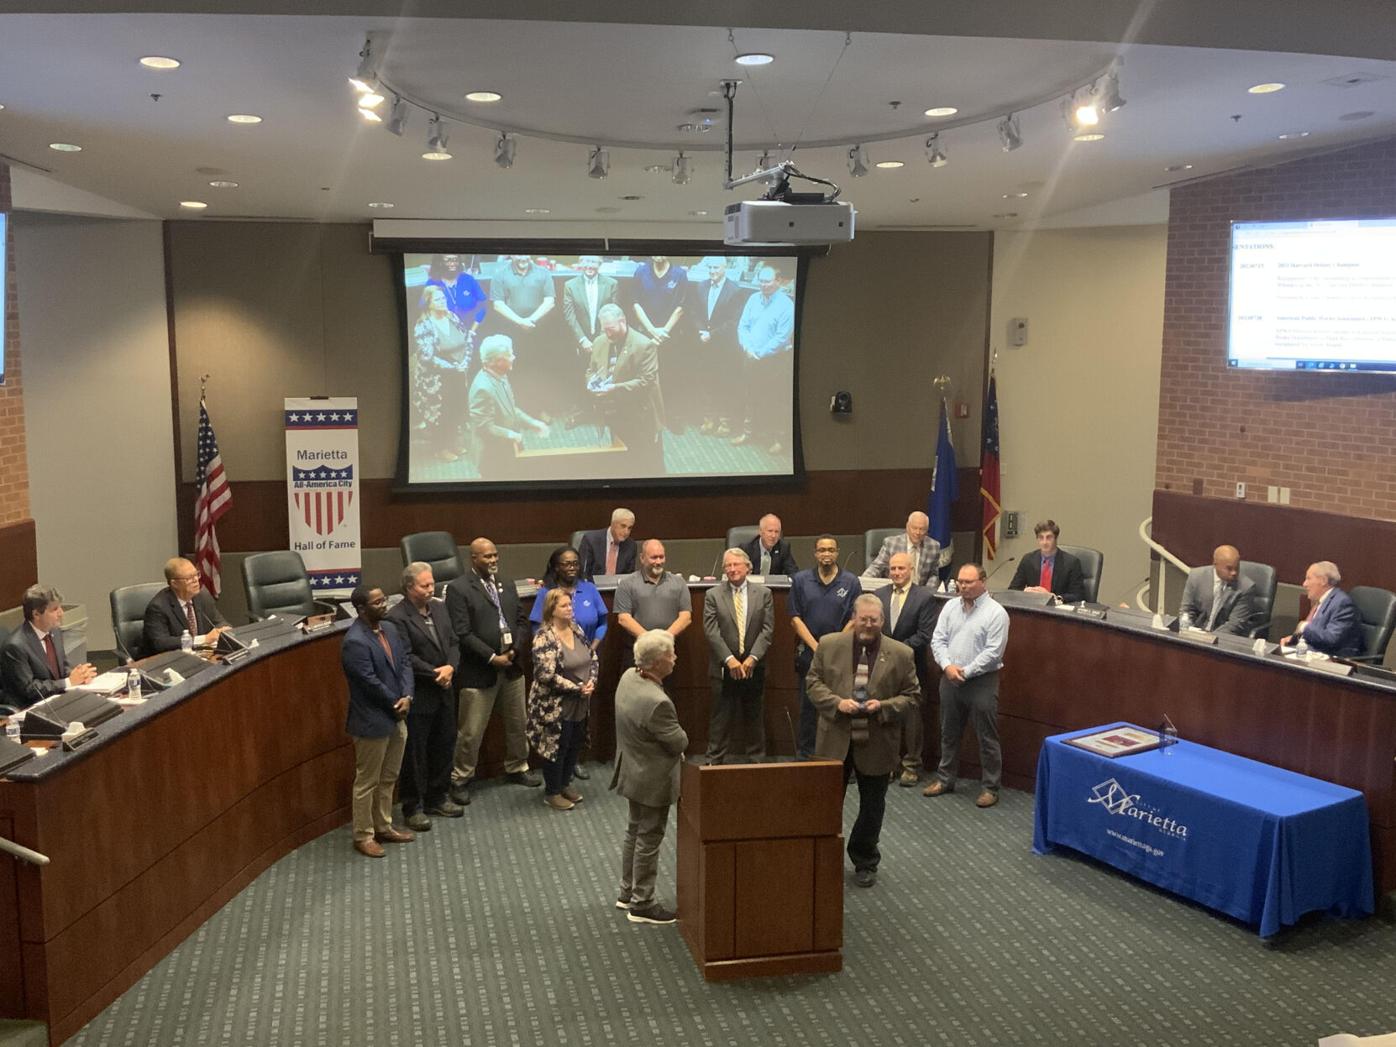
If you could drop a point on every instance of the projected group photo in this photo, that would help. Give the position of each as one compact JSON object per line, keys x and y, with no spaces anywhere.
{"x":592,"y":368}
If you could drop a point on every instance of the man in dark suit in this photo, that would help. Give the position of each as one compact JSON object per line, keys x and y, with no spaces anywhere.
{"x":182,"y":605}
{"x":33,"y":665}
{"x":1217,"y":599}
{"x":714,"y":309}
{"x":1049,"y":570}
{"x":610,"y":550}
{"x":623,"y":380}
{"x":863,"y":684}
{"x":738,"y":621}
{"x":376,"y":666}
{"x":909,"y":616}
{"x":491,"y":628}
{"x":1334,"y":625}
{"x":769,"y":552}
{"x":582,"y":299}
{"x":431,"y":724}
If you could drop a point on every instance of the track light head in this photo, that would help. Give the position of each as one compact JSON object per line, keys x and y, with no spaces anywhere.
{"x":1010,"y":134}
{"x":436,"y":140}
{"x":397,"y":116}
{"x":598,"y":162}
{"x":683,"y":169}
{"x":935,"y":153}
{"x":366,"y":76}
{"x":504,"y":148}
{"x":858,"y":160}
{"x":1110,"y":100}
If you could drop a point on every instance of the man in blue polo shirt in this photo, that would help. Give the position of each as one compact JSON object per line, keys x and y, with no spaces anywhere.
{"x":821,"y":602}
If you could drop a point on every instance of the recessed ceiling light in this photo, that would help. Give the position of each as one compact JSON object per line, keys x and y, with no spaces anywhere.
{"x":1015,"y":196}
{"x":657,"y":168}
{"x":244,"y":118}
{"x":193,"y":205}
{"x":537,"y":210}
{"x":631,"y":196}
{"x":223,"y":184}
{"x":1265,"y":89}
{"x":699,"y":214}
{"x":436,"y":154}
{"x":608,"y":210}
{"x":755,"y":58}
{"x":942,"y":110}
{"x":1088,"y":136}
{"x":483,"y":96}
{"x":159,"y":62}
{"x":889,"y":165}
{"x":1007,"y":214}
{"x":1178,"y":167}
{"x":65,"y":147}
{"x":380,"y":203}
{"x":1294,"y":134}
{"x":1360,"y":114}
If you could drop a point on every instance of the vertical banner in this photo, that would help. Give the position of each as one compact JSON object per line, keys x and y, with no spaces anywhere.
{"x":322,"y":489}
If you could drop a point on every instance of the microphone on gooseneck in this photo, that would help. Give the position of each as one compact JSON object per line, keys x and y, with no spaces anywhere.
{"x":999,"y":568}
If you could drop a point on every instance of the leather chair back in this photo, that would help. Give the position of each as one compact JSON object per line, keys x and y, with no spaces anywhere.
{"x":1092,"y":564}
{"x":128,"y":606}
{"x":576,"y":540}
{"x":437,"y":548}
{"x":872,"y":542}
{"x":7,"y":706}
{"x":1266,"y":581}
{"x":277,"y":584}
{"x":740,"y":536}
{"x":1378,"y":610}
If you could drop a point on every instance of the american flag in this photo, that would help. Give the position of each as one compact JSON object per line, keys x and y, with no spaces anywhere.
{"x":989,"y":470}
{"x":214,"y":500}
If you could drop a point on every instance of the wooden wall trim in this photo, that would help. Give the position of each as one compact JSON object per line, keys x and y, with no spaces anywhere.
{"x":19,"y":561}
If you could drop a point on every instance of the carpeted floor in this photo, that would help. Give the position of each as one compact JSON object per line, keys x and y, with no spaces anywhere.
{"x":499,"y":928}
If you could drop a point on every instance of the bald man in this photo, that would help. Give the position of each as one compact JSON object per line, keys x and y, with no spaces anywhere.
{"x":182,"y":604}
{"x":770,"y":553}
{"x":1217,"y":599}
{"x":917,"y":543}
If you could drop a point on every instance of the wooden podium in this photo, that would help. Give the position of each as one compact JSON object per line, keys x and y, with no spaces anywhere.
{"x":760,"y":868}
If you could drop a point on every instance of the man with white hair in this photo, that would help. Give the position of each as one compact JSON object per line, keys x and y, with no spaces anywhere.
{"x":1334,"y":625}
{"x":610,"y":550}
{"x":917,"y":543}
{"x":623,"y":380}
{"x":738,"y":621}
{"x":582,"y":299}
{"x":766,"y":334}
{"x":495,"y":416}
{"x":649,"y":748}
{"x":770,"y":553}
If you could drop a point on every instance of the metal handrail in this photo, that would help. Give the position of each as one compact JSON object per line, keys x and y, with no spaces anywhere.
{"x":18,"y":850}
{"x":1146,"y":528}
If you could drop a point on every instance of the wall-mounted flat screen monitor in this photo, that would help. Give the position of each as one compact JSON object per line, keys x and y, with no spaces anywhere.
{"x":1313,"y":296}
{"x":598,"y":370}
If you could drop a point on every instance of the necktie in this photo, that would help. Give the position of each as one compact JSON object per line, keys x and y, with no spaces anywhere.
{"x":1217,"y":591}
{"x":612,"y":551}
{"x":915,"y":563}
{"x":898,"y":598}
{"x":387,"y":647}
{"x":1045,"y":578}
{"x":51,"y":656}
{"x":739,"y":609}
{"x":192,"y":619}
{"x":765,"y":560}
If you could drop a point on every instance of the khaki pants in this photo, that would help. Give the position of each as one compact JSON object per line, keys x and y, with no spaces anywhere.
{"x":376,"y":765}
{"x":473,"y":713}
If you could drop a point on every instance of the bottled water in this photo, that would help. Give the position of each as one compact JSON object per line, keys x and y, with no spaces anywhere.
{"x":186,"y":642}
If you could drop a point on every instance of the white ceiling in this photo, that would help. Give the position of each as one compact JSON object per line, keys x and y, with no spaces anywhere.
{"x":75,"y":78}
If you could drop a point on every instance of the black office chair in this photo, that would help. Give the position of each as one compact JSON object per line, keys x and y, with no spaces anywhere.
{"x":437,"y":548}
{"x":872,"y":542}
{"x":740,"y":536}
{"x":7,"y":705}
{"x":1092,"y":563}
{"x":576,"y":540}
{"x":1263,"y":577}
{"x":277,"y":584}
{"x":1378,"y":610}
{"x":128,"y":606}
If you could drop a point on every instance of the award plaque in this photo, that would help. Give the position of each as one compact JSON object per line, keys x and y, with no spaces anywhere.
{"x":1117,"y":741}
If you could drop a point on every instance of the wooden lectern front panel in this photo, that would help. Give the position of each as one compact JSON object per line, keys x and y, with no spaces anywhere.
{"x":775,"y":897}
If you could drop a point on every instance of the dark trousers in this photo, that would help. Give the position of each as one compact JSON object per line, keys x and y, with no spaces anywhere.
{"x":975,"y":700}
{"x":809,"y":715}
{"x":426,"y":766}
{"x":557,"y":772}
{"x":738,"y":709}
{"x":872,"y":805}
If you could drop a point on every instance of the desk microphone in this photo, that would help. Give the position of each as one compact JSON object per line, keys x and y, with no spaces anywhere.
{"x":794,"y":738}
{"x":999,"y":568}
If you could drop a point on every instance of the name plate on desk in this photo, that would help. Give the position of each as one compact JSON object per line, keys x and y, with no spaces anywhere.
{"x":1201,"y":636}
{"x":1090,"y":610}
{"x":1327,"y":665}
{"x":314,"y":623}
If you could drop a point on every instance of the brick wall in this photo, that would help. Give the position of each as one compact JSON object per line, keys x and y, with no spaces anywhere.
{"x":14,"y":466}
{"x":1331,"y":439}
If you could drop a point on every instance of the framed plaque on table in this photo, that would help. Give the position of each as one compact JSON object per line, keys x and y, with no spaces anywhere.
{"x":1117,"y":741}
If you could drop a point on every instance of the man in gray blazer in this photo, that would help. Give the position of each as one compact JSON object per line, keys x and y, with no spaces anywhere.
{"x":917,"y":543}
{"x":738,"y":621}
{"x":1217,"y":599}
{"x":863,"y":684}
{"x":649,"y":748}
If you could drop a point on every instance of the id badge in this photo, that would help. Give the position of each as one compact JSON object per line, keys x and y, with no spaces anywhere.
{"x":506,"y":640}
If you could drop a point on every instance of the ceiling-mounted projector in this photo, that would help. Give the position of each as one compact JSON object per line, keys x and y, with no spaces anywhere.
{"x":774,"y":223}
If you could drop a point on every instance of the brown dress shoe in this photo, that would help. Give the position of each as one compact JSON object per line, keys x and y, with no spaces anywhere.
{"x":571,"y":795}
{"x":987,"y":799}
{"x":937,"y":788}
{"x":558,"y":803}
{"x":392,"y":834}
{"x":369,"y":848}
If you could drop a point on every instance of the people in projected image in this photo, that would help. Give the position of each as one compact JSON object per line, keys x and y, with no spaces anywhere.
{"x":523,"y":296}
{"x":715,"y":307}
{"x":658,"y":293}
{"x":766,"y":333}
{"x":442,"y":347}
{"x":582,"y":299}
{"x":623,"y":381}
{"x":496,"y":420}
{"x":464,"y":296}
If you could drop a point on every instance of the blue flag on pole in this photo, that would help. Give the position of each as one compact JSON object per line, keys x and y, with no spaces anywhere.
{"x":945,"y":487}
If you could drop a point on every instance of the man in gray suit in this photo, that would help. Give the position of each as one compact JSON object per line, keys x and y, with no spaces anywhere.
{"x":582,"y":299}
{"x":863,"y":684}
{"x":495,"y":417}
{"x":917,"y":543}
{"x":649,"y":748}
{"x":1217,"y":599}
{"x":738,"y":621}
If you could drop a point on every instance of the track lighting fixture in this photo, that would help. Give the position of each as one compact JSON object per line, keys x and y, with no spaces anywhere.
{"x":504,"y":147}
{"x":397,"y":116}
{"x":1110,"y":100}
{"x":598,"y":162}
{"x":366,"y":76}
{"x":858,"y":160}
{"x":436,"y":140}
{"x":683,"y":169}
{"x":1010,"y":135}
{"x":935,"y":154}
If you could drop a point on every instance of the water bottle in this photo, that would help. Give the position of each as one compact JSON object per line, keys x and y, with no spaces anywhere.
{"x":186,"y":642}
{"x":1301,"y":649}
{"x":133,"y":685}
{"x":12,"y":726}
{"x":1169,"y":739}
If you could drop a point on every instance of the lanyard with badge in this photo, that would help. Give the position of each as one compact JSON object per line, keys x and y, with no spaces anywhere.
{"x":506,"y":638}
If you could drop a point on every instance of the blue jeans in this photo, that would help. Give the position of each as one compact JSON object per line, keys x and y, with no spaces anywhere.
{"x":557,"y":772}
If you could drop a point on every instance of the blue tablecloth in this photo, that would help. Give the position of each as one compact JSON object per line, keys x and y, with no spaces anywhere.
{"x":1256,"y":842}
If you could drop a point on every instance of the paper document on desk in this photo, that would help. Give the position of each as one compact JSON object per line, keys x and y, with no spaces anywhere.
{"x":106,"y":683}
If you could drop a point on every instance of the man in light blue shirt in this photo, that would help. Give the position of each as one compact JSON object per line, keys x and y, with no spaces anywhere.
{"x":968,"y":645}
{"x":766,"y":334}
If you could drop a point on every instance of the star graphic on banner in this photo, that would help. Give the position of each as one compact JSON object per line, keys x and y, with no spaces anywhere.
{"x":320,"y":417}
{"x":295,"y":418}
{"x":334,"y":417}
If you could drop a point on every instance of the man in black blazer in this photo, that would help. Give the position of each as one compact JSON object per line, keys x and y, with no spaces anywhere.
{"x":713,"y":311}
{"x":597,"y":547}
{"x":769,"y":552}
{"x":1061,"y":574}
{"x":431,"y":722}
{"x":32,"y":663}
{"x":909,"y":614}
{"x":182,"y":605}
{"x":491,"y":628}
